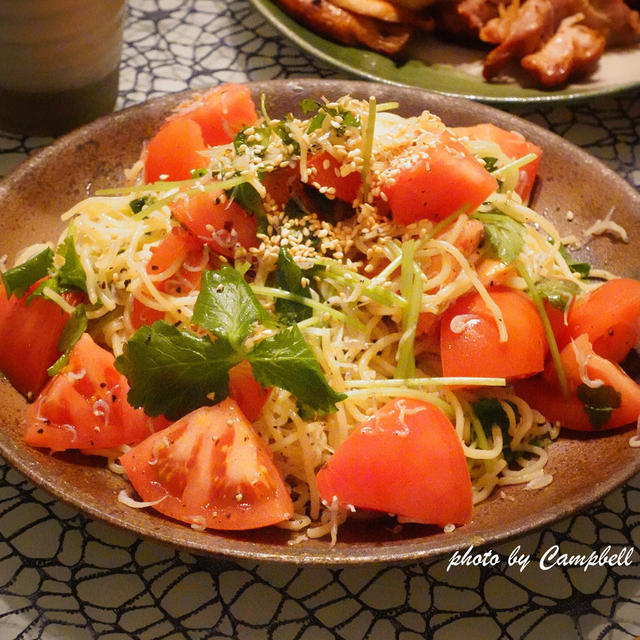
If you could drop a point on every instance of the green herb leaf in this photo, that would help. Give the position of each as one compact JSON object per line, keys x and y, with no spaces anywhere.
{"x":490,"y":164}
{"x":283,"y":131}
{"x":599,"y":402}
{"x":173,"y":372}
{"x":490,"y":411}
{"x":18,"y":279}
{"x":285,"y":360}
{"x":74,"y":328}
{"x":227,"y":307}
{"x":349,"y":119}
{"x":557,"y":291}
{"x":259,"y":137}
{"x":249,"y":199}
{"x":504,"y":236}
{"x":583,"y":269}
{"x":316,"y":122}
{"x":288,"y":277}
{"x":138,"y":204}
{"x":71,"y":274}
{"x":307,"y":105}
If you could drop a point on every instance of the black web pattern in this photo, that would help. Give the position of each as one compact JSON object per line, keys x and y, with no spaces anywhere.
{"x":63,"y":575}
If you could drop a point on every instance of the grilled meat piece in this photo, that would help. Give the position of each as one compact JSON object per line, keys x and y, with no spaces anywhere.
{"x":324,"y":17}
{"x":521,"y":30}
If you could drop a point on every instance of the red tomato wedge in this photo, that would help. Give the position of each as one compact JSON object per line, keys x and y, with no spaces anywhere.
{"x":544,"y":394}
{"x":26,"y":351}
{"x":610,"y":316}
{"x":182,"y":255}
{"x":470,"y":341}
{"x":406,"y":460}
{"x":247,"y":391}
{"x":326,"y":174}
{"x":211,"y":469}
{"x":281,"y":184}
{"x":221,"y":113}
{"x":437,"y":180}
{"x":85,"y":406}
{"x":174,"y":151}
{"x":514,"y":145}
{"x":216,"y":222}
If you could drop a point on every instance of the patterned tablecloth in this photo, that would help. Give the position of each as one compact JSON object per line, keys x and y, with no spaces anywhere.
{"x":63,"y":575}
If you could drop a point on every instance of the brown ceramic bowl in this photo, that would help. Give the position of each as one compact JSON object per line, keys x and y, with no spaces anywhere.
{"x":584,"y":468}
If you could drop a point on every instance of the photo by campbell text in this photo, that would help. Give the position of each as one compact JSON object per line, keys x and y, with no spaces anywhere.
{"x":551,"y":557}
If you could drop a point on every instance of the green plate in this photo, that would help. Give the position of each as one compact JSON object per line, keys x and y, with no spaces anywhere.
{"x":454,"y":70}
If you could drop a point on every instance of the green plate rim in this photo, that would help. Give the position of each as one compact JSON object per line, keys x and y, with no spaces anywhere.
{"x":414,"y":73}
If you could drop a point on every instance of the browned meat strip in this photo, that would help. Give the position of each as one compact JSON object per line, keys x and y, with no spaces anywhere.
{"x":518,"y":32}
{"x":572,"y":50}
{"x":521,"y":30}
{"x":348,"y":28}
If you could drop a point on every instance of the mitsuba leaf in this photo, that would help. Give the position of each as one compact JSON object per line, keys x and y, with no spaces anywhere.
{"x":599,"y":402}
{"x":227,"y":307}
{"x":504,"y":236}
{"x":259,"y":136}
{"x":285,"y":360}
{"x":19,"y":279}
{"x":490,"y":411}
{"x":583,"y":269}
{"x":72,"y":332}
{"x":173,"y":372}
{"x":288,"y":277}
{"x":349,"y":119}
{"x":249,"y":199}
{"x":71,"y":274}
{"x":137,"y":204}
{"x":557,"y":291}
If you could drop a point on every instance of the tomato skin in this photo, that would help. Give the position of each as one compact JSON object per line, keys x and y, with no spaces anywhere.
{"x":210,"y":468}
{"x":443,"y":178}
{"x":514,"y":145}
{"x":324,"y":167}
{"x":610,"y":315}
{"x":173,"y":152}
{"x":85,"y":406}
{"x":178,"y":247}
{"x":407,"y":460}
{"x":231,"y":224}
{"x":26,"y":351}
{"x":281,"y":184}
{"x":477,"y":350}
{"x":221,"y":113}
{"x":247,"y":391}
{"x":544,"y":394}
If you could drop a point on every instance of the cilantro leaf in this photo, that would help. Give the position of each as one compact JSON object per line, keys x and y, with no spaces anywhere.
{"x":288,"y":277}
{"x":74,"y":328}
{"x":18,"y":279}
{"x":503,"y":235}
{"x":285,"y":360}
{"x":249,"y":199}
{"x":599,"y":402}
{"x":71,"y":274}
{"x":173,"y":372}
{"x":227,"y":307}
{"x":557,"y":291}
